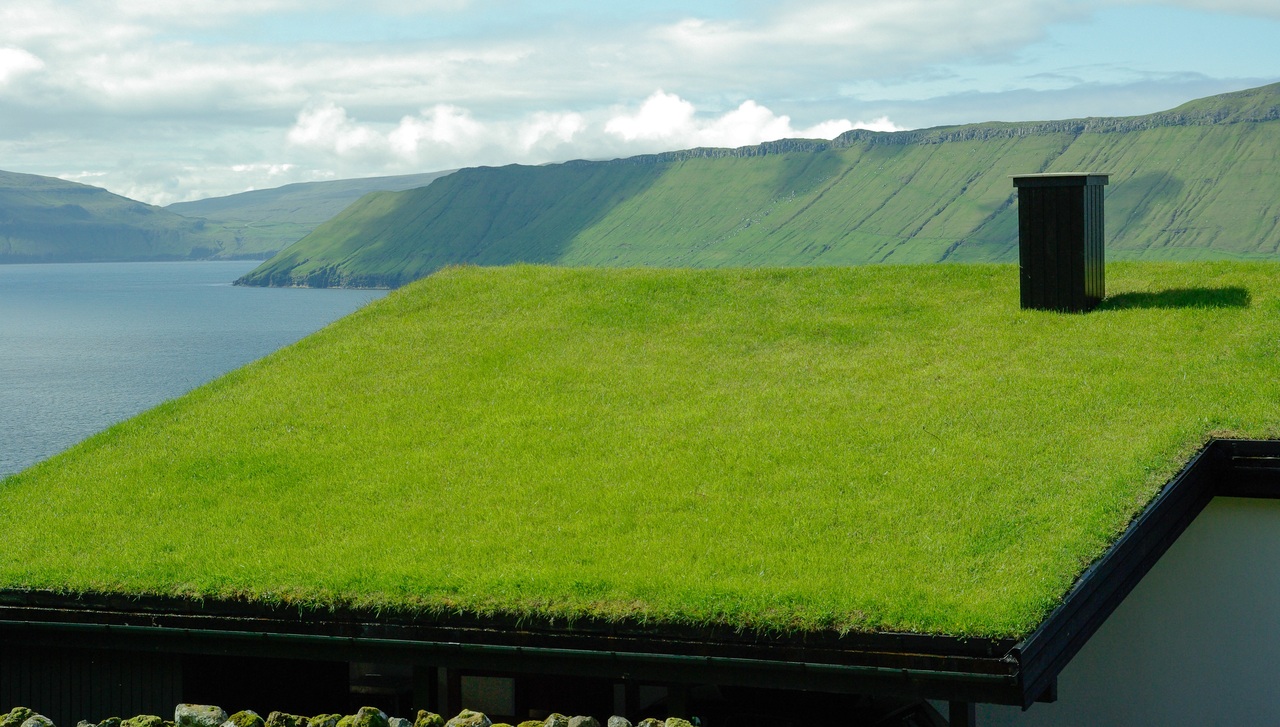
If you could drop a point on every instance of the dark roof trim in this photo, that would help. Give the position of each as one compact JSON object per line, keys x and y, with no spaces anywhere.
{"x":906,"y":665}
{"x":1224,"y":467}
{"x":657,"y":667}
{"x":902,"y":664}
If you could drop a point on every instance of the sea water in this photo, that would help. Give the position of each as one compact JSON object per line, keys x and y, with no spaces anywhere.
{"x":83,"y":346}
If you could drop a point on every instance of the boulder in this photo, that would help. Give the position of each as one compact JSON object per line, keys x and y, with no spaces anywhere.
{"x":245,"y":718}
{"x":198,"y":715}
{"x":366,"y":717}
{"x":428,"y":719}
{"x":37,"y":720}
{"x":677,"y":722}
{"x":467,"y":718}
{"x":583,"y":722}
{"x":15,"y":717}
{"x":324,"y":720}
{"x":284,"y":719}
{"x":555,"y":719}
{"x":111,"y":722}
{"x":616,"y":721}
{"x":143,"y":720}
{"x":651,"y":722}
{"x":530,"y":723}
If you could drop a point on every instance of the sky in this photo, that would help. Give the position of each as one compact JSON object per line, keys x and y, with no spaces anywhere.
{"x":166,"y":101}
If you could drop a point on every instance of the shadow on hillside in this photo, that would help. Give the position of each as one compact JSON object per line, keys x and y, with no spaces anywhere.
{"x":1133,"y":206}
{"x":1229,"y":297}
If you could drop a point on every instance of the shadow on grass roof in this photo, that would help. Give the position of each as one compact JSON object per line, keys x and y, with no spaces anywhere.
{"x":864,"y":476}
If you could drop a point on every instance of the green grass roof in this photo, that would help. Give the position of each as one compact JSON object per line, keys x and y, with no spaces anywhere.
{"x":853,"y":448}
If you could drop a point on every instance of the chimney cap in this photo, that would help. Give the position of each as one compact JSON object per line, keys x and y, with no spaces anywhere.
{"x":1059,"y":179}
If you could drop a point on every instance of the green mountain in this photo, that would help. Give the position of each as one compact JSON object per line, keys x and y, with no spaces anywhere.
{"x":1193,"y":182}
{"x":44,"y":219}
{"x":268,"y":220}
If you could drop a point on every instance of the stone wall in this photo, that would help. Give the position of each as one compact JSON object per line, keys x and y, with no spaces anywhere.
{"x":203,"y":715}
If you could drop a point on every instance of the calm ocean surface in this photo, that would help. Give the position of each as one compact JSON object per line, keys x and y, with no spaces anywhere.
{"x":83,"y":346}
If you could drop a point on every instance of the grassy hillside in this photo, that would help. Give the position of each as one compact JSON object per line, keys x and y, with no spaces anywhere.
{"x":43,"y":219}
{"x":876,"y":447}
{"x":269,"y":220}
{"x":536,"y":207}
{"x":1190,"y":183}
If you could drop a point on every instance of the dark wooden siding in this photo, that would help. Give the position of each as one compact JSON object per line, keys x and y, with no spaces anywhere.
{"x":1060,"y":241}
{"x":68,"y":685}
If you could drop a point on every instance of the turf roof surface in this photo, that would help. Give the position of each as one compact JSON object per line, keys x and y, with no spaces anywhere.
{"x":873,"y":448}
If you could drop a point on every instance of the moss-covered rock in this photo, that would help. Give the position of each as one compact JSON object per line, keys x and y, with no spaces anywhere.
{"x":15,"y":717}
{"x":324,"y":720}
{"x":468,"y":718}
{"x":245,"y":718}
{"x":111,"y":722}
{"x":651,"y":722}
{"x":198,"y":715}
{"x":365,"y":717}
{"x":678,"y":722}
{"x":399,"y":722}
{"x":617,"y":721}
{"x":284,"y":719}
{"x":37,"y":720}
{"x":372,"y":717}
{"x":555,"y":719}
{"x":428,"y":719}
{"x":581,"y":721}
{"x":530,"y":723}
{"x":143,"y":720}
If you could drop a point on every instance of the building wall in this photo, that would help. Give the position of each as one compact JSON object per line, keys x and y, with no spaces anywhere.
{"x":70,"y":684}
{"x":1196,"y":643}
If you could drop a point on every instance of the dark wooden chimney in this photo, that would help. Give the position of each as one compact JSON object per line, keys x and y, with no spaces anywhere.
{"x":1060,"y":234}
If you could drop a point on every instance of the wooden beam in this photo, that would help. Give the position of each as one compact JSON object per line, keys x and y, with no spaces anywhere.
{"x":963,"y":714}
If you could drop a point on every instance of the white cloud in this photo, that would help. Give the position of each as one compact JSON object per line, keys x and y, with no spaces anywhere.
{"x":187,"y":9}
{"x":881,"y":124}
{"x":666,"y":119}
{"x":327,"y":128}
{"x":662,"y":117}
{"x":15,"y":62}
{"x":446,"y":136}
{"x":271,"y":170}
{"x":547,"y":129}
{"x":443,"y":125}
{"x":439,"y":137}
{"x":750,"y":123}
{"x":876,"y":37}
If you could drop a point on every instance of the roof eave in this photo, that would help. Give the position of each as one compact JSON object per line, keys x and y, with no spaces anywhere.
{"x":923,"y":666}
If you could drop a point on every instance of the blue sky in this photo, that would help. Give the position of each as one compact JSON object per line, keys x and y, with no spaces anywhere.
{"x":167,"y":101}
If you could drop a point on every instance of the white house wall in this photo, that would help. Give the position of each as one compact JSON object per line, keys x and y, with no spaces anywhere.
{"x":1196,"y":643}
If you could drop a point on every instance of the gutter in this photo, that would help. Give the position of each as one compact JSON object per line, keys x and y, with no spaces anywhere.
{"x":594,"y":662}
